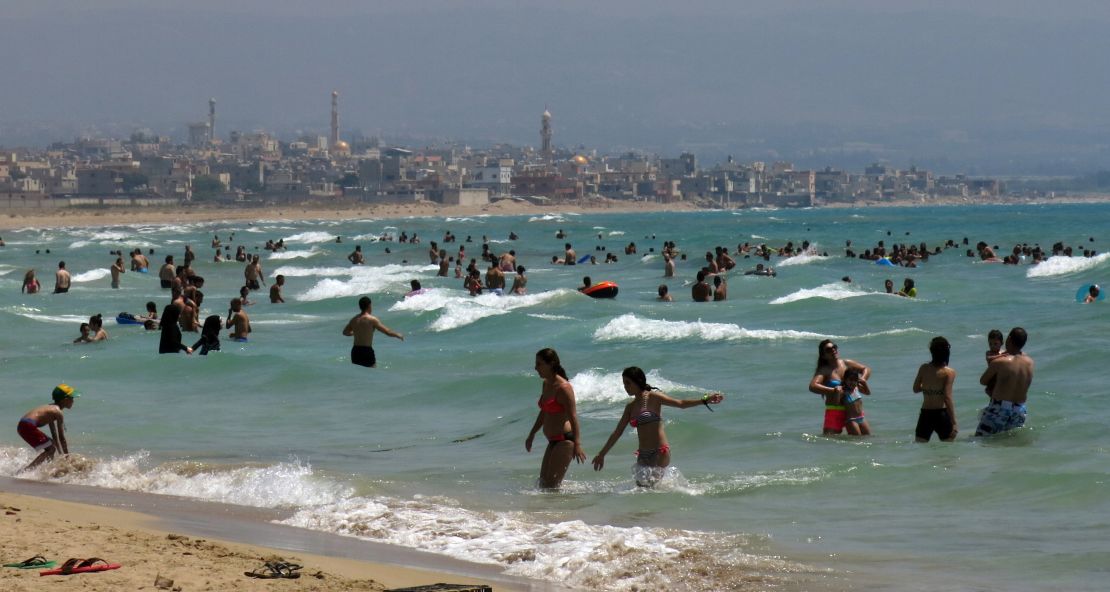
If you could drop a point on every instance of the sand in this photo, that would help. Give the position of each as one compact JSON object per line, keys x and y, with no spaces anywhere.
{"x":107,"y":216}
{"x":59,"y":530}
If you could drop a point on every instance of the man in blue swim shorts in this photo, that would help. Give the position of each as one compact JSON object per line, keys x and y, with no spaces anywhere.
{"x":1012,"y":374}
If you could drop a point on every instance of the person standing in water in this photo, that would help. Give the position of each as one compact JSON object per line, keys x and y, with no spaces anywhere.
{"x":362,"y":328}
{"x":826,"y":382}
{"x":1011,"y":374}
{"x":934,"y":381}
{"x":643,"y":413}
{"x":558,"y":417}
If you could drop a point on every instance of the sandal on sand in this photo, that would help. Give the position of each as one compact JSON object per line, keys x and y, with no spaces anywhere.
{"x":38,"y":561}
{"x":76,"y":566}
{"x":272,"y":570}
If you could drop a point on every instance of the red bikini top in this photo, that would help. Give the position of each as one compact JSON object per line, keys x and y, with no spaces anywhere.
{"x":551,"y":405}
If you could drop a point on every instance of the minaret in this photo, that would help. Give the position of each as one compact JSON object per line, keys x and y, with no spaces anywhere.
{"x":545,"y":133}
{"x":334,"y":119}
{"x":211,"y":120}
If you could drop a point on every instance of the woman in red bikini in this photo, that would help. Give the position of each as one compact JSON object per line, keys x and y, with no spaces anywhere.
{"x":643,"y":413}
{"x":559,"y":419}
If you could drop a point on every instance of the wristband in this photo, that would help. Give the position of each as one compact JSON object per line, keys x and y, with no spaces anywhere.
{"x":705,"y":401}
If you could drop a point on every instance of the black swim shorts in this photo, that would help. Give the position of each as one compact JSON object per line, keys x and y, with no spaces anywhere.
{"x":363,"y":355}
{"x":934,"y":420}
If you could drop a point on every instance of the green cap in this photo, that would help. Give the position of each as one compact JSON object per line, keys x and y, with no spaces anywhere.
{"x":64,"y":390}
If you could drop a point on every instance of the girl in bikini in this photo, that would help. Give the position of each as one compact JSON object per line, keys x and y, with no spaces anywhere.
{"x":559,"y":419}
{"x":934,"y":380}
{"x":643,"y":414}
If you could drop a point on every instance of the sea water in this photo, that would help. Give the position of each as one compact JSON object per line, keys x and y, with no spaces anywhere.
{"x":427,"y":449}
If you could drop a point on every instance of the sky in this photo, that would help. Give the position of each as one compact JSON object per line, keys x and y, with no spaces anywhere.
{"x":995,"y":84}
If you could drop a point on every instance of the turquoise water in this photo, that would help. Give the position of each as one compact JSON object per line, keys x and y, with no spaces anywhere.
{"x":427,"y":449}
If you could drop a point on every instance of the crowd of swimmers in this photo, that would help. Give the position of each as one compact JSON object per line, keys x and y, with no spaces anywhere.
{"x":842,"y":383}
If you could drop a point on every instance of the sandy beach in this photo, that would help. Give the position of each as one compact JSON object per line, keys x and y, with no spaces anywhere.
{"x":346,"y":210}
{"x":59,"y":530}
{"x":339,"y":211}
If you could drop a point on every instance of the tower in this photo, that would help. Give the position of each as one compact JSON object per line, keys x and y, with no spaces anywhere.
{"x":211,"y":120}
{"x":545,"y":133}
{"x":334,"y":119}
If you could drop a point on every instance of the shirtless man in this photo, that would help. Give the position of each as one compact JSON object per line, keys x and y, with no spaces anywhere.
{"x":137,"y":260}
{"x":495,"y":279}
{"x":167,"y":273}
{"x":720,"y":289}
{"x":239,"y":320}
{"x":117,"y":268}
{"x":356,"y":257}
{"x":275,"y":291}
{"x":61,"y":279}
{"x":362,"y":328}
{"x":188,"y":319}
{"x":569,"y":257}
{"x":51,"y":416}
{"x":1011,"y":375}
{"x":701,"y":291}
{"x":668,"y":264}
{"x":665,"y":294}
{"x":444,"y":263}
{"x":253,"y":274}
{"x":508,"y":261}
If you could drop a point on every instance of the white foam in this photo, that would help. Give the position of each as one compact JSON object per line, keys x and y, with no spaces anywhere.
{"x":284,"y":255}
{"x":91,"y":276}
{"x":56,"y":318}
{"x":608,"y":387}
{"x":1061,"y":265}
{"x":459,"y":220}
{"x":551,"y":317}
{"x":616,"y":233}
{"x":312,"y":236}
{"x":363,"y":280}
{"x":573,"y":553}
{"x":757,"y":237}
{"x":6,"y":271}
{"x":547,"y":218}
{"x":289,"y":271}
{"x":833,"y":291}
{"x":629,"y":327}
{"x":459,"y":309}
{"x":803,"y":259}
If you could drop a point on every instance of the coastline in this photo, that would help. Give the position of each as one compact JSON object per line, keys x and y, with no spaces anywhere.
{"x":202,"y":545}
{"x":202,"y":213}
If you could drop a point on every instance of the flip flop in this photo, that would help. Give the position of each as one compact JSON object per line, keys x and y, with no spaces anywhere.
{"x":38,"y":561}
{"x":76,"y":566}
{"x":272,"y":570}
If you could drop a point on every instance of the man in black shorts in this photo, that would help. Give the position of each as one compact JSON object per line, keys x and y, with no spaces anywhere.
{"x":362,"y":328}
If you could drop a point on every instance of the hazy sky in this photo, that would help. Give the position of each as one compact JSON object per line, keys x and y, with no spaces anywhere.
{"x":613,"y":73}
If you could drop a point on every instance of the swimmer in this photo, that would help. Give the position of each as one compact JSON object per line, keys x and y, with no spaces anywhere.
{"x":117,"y":269}
{"x":30,"y":283}
{"x":644,"y":413}
{"x":569,"y":257}
{"x":170,"y":341}
{"x":665,"y":294}
{"x":356,"y":257}
{"x":586,"y":283}
{"x":275,"y":290}
{"x":167,"y":273}
{"x":668,"y":264}
{"x":908,"y":290}
{"x":238,"y":319}
{"x":50,"y":416}
{"x":826,"y":382}
{"x":995,"y":340}
{"x":61,"y":279}
{"x":362,"y":328}
{"x":700,"y":291}
{"x":720,"y":289}
{"x":938,"y":409}
{"x":209,"y":336}
{"x":84,"y":337}
{"x":1092,"y":294}
{"x":888,"y":285}
{"x":1012,"y":375}
{"x":853,"y":387}
{"x":96,"y":328}
{"x":520,"y":282}
{"x":558,"y":417}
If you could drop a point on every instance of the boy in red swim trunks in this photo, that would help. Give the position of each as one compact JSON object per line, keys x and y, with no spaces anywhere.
{"x":48,"y":415}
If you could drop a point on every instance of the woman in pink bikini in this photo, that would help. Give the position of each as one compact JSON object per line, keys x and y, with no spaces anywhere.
{"x":643,"y":413}
{"x":559,"y":419}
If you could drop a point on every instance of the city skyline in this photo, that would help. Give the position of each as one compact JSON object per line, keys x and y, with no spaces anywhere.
{"x":996,"y":85}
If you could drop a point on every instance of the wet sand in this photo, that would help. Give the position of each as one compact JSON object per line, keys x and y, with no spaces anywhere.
{"x":201,"y":546}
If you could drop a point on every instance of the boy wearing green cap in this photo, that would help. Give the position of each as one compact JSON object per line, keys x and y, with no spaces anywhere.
{"x":48,"y":415}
